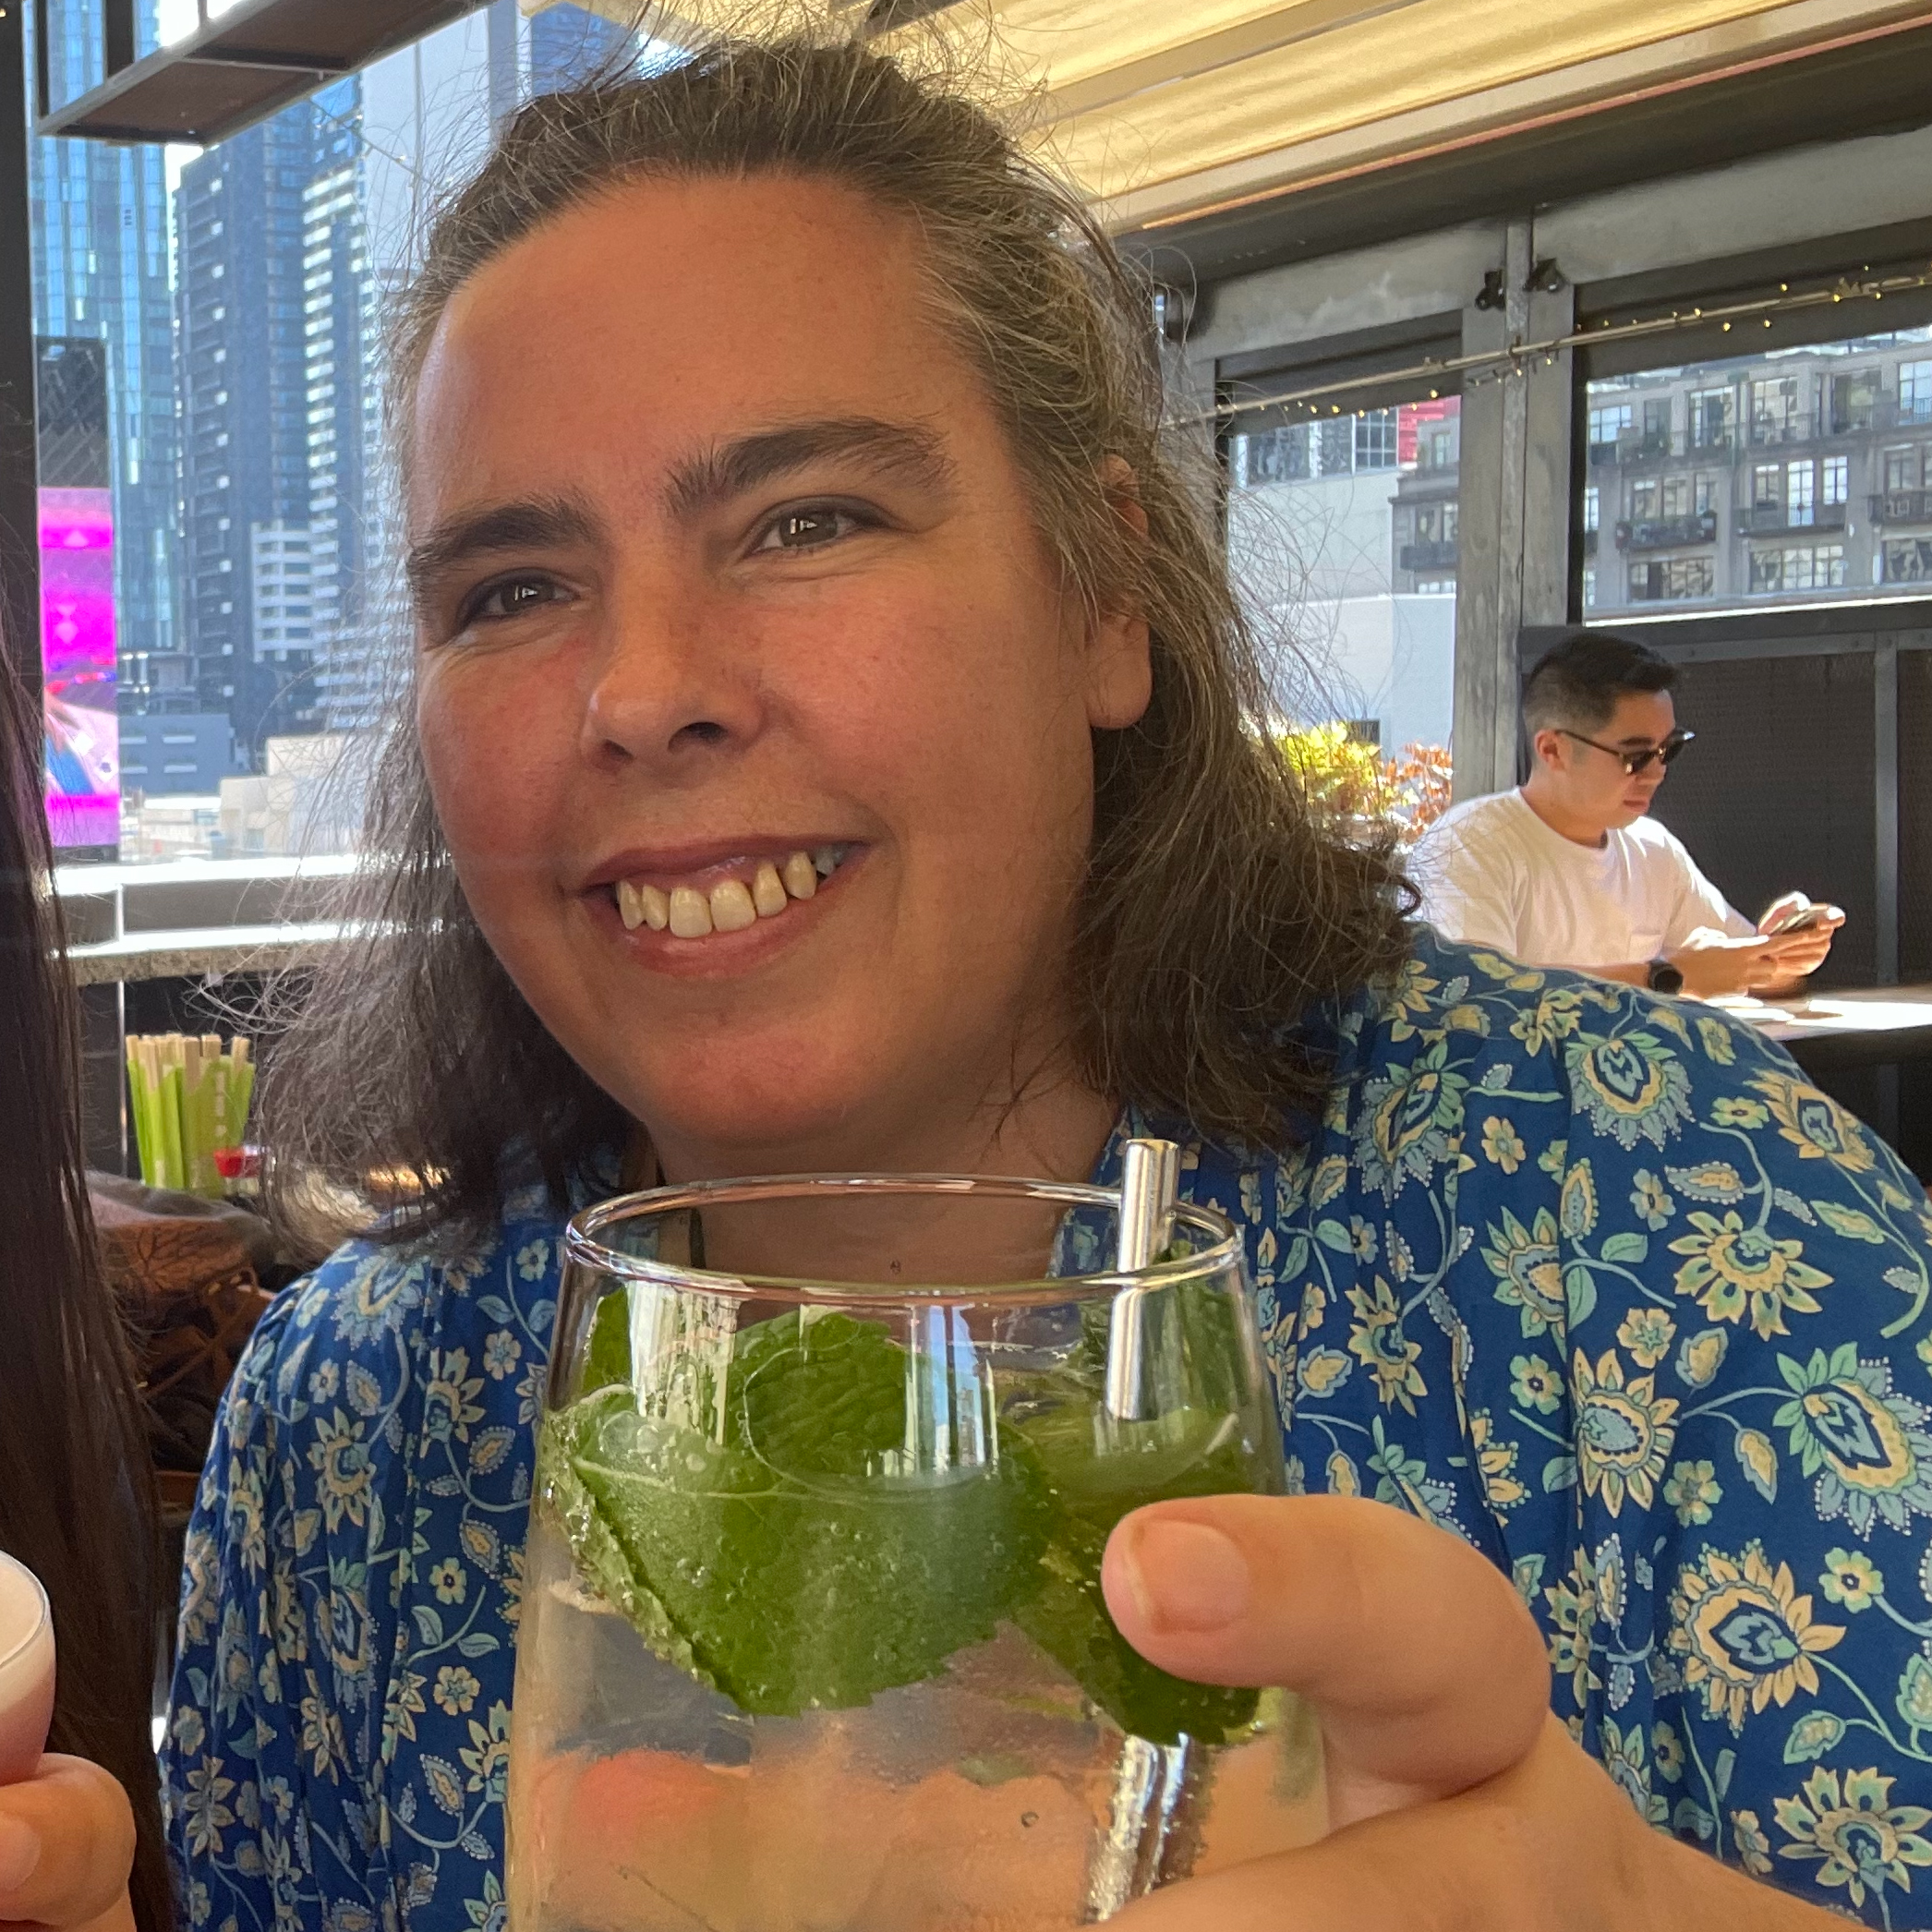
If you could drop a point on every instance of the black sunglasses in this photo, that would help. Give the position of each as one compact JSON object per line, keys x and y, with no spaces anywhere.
{"x":1635,"y":762}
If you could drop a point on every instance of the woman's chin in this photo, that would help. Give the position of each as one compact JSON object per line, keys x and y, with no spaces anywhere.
{"x":742,"y":1116}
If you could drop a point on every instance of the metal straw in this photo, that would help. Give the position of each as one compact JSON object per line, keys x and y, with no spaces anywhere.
{"x":1150,"y":1178}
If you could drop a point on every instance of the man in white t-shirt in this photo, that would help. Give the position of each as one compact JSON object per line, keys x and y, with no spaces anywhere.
{"x":1569,"y":870}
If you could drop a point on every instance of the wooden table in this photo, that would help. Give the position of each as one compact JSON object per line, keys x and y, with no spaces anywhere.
{"x":1864,"y":1026}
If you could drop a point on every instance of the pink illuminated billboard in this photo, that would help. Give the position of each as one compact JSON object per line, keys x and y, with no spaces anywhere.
{"x":77,"y":667}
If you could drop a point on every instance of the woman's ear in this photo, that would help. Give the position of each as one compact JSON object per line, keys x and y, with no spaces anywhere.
{"x":1120,"y":669}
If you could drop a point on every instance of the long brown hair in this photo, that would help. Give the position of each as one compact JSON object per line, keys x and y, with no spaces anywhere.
{"x":76,"y":1501}
{"x":1217,"y":907}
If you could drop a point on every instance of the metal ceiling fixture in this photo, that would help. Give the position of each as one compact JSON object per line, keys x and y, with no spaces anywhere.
{"x":230,"y":72}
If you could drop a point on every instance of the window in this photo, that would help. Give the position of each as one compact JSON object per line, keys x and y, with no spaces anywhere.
{"x":1799,"y":502}
{"x":1591,"y":506}
{"x":1668,"y":579}
{"x":1907,"y":560}
{"x":1855,"y":402}
{"x":1799,"y":567}
{"x":223,"y":418}
{"x":1915,"y":391}
{"x":1776,"y":416}
{"x":1712,"y":416}
{"x":1375,"y":440}
{"x":1343,"y":529}
{"x":1609,"y":424}
{"x":1732,"y":527}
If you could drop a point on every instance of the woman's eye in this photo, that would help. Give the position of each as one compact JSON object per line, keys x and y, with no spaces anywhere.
{"x":807,"y":529}
{"x":510,"y":596}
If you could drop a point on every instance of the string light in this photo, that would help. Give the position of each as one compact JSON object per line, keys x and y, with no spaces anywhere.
{"x":1477,"y":371}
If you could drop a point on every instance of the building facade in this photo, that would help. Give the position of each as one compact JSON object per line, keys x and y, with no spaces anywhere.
{"x":1803,"y":474}
{"x":99,"y":229}
{"x":246,"y":489}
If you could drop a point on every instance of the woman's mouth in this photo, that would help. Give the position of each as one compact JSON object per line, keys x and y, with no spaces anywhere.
{"x":741,"y":895}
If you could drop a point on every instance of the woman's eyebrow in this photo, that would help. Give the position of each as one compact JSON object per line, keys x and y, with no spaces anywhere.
{"x":716,"y":475}
{"x":536,"y":524}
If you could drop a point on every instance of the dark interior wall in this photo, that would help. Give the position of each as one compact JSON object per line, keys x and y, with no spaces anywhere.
{"x":1777,"y":792}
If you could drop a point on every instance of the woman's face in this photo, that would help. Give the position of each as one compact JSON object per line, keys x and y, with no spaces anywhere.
{"x":722,"y":564}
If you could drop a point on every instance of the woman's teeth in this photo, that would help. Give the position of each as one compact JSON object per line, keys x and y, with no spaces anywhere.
{"x":731,"y":905}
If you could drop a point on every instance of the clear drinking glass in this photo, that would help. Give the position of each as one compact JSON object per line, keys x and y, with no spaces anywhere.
{"x":813,"y":1636}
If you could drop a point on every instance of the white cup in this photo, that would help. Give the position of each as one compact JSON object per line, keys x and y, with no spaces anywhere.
{"x":26,"y":1670}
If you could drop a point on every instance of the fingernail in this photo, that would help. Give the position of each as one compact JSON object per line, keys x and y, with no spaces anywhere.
{"x":1185,"y":1576}
{"x":19,"y":1854}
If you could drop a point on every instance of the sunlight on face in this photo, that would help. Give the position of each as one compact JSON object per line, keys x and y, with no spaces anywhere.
{"x":1593,"y":784}
{"x":756,"y":717}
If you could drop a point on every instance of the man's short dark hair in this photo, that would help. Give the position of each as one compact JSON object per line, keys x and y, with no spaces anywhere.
{"x":1578,"y":680}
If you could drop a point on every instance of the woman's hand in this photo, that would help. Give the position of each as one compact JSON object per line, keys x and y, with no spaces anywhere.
{"x":66,"y":1845}
{"x":1457,"y":1800}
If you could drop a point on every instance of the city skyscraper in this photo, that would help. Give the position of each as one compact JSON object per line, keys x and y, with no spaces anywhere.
{"x":247,"y":584}
{"x":569,"y":44}
{"x":100,"y":222}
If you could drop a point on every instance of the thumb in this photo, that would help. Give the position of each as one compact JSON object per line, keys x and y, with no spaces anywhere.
{"x":1427,"y":1670}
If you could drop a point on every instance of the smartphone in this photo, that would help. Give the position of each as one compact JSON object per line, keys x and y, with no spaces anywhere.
{"x":1799,"y":919}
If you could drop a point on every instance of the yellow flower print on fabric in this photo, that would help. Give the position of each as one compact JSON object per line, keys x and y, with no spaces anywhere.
{"x":1632,"y":1087}
{"x":1851,"y":1579}
{"x":341,"y":1460}
{"x":1528,"y":1275}
{"x":1693,"y":1492}
{"x":1754,"y":1848}
{"x":1411,"y":1000}
{"x":1623,"y":1432}
{"x":1863,"y":1839}
{"x":1554,"y":1017}
{"x":1375,"y":1339}
{"x":1744,"y":1634}
{"x":1502,"y":1143}
{"x":1866,"y":1445}
{"x":1409,"y":1111}
{"x":1573,"y":1620}
{"x":1647,"y":1334}
{"x":1814,"y":1124}
{"x":1733,"y":1268}
{"x":1495,"y":1463}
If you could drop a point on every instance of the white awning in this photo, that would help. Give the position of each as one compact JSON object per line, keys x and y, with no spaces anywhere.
{"x":1165,"y":109}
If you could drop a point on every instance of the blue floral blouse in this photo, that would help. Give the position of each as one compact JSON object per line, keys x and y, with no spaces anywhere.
{"x":1591,"y":1278}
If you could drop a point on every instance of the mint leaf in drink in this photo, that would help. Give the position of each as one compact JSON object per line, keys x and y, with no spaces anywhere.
{"x":608,"y":1359}
{"x":795,"y":1565}
{"x":1094,"y":1470}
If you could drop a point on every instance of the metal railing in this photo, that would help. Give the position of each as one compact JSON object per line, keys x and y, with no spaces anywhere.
{"x":1901,"y":506}
{"x":1777,"y":519}
{"x":1664,"y":533}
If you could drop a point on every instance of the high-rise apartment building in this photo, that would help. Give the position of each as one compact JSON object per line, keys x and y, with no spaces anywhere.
{"x":245,"y":470}
{"x":99,"y":214}
{"x":570,"y":45}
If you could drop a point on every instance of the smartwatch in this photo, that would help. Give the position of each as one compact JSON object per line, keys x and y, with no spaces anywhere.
{"x":1662,"y":977}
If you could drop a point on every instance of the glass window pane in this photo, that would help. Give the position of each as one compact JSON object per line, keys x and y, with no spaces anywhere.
{"x":221,"y":621}
{"x":1342,"y":532}
{"x":1795,"y":475}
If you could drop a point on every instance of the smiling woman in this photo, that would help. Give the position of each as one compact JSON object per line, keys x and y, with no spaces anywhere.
{"x":829,"y":752}
{"x":730,"y":557}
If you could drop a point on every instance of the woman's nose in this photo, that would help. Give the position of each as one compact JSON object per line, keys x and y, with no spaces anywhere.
{"x":667,"y":693}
